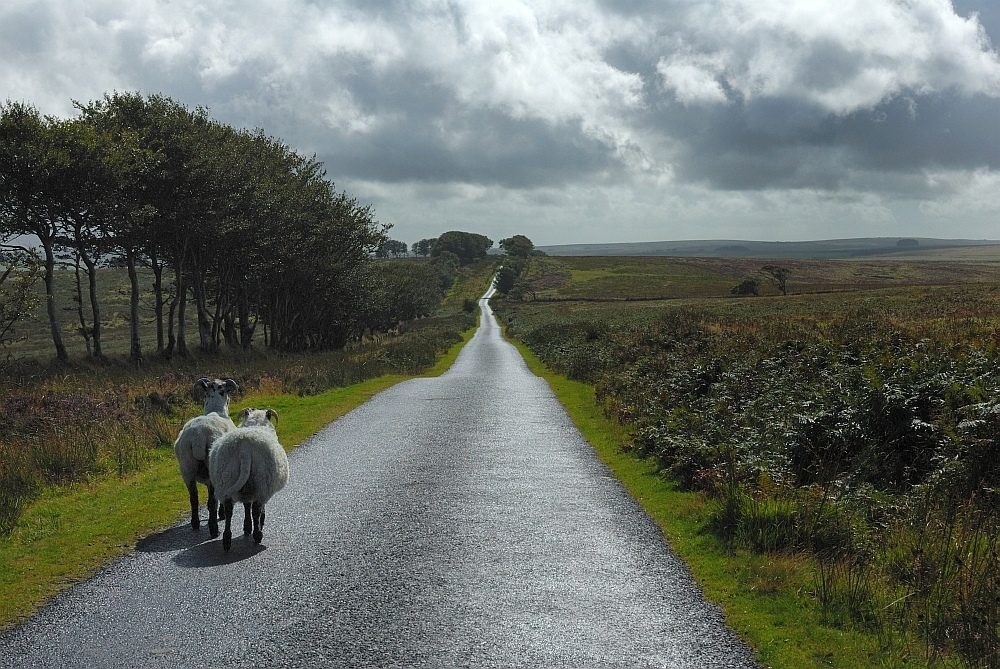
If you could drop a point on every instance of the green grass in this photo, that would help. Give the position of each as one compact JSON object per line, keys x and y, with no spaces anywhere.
{"x":114,"y":294}
{"x":70,"y":531}
{"x":661,"y":277}
{"x":767,"y":599}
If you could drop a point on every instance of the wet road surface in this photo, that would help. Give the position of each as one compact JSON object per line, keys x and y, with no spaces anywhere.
{"x":459,"y":521}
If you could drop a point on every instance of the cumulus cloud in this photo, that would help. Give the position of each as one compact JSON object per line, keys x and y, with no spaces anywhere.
{"x":839,"y":56}
{"x":562,"y":111}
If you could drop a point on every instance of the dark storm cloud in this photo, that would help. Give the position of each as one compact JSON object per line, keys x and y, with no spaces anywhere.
{"x":423,"y":133}
{"x":494,"y":150}
{"x":811,"y":121}
{"x":784,"y":144}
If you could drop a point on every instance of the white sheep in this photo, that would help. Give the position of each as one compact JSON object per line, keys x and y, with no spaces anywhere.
{"x":195,"y":442}
{"x":248,"y":465}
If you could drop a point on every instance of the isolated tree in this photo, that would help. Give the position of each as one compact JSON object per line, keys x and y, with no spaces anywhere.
{"x":746,"y":287}
{"x":127,"y":212}
{"x":778,"y":276}
{"x":467,"y":246}
{"x":505,"y":279}
{"x":183,"y":190}
{"x":446,"y":267}
{"x":518,"y":246}
{"x":81,"y":184}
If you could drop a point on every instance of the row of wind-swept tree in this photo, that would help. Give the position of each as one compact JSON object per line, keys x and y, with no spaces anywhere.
{"x":231,"y":222}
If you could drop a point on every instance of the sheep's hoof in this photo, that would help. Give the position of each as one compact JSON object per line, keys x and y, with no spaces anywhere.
{"x":213,"y":529}
{"x":227,"y":540}
{"x":247,"y":528}
{"x":195,"y":523}
{"x":257,"y":536}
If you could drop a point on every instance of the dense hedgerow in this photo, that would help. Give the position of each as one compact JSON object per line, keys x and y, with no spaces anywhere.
{"x":859,"y":428}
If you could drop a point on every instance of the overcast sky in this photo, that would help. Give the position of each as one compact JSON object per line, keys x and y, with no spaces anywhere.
{"x":574,"y":121}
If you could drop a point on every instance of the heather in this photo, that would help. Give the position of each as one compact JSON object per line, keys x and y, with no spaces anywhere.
{"x":856,"y":428}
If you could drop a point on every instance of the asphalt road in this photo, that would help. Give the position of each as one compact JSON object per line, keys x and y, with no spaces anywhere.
{"x":459,"y":521}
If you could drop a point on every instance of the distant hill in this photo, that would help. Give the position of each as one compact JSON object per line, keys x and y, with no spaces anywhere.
{"x":815,"y":250}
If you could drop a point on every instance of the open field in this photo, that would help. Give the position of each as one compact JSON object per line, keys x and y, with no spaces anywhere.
{"x":826,"y":458}
{"x":36,"y":337}
{"x":659,"y":277}
{"x":815,"y":250}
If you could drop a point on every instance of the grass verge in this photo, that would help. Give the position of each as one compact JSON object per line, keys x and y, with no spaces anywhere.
{"x":769,"y":600}
{"x":71,"y":531}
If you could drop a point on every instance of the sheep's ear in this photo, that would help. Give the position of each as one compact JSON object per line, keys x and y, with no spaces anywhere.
{"x":231,"y":386}
{"x":272,"y":414}
{"x":202,"y":383}
{"x":245,"y":413}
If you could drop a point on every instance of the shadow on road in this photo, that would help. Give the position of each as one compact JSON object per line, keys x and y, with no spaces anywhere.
{"x":173,"y":539}
{"x":211,"y":554}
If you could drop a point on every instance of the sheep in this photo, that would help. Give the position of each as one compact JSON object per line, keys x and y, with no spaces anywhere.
{"x":248,"y":465}
{"x":195,"y":442}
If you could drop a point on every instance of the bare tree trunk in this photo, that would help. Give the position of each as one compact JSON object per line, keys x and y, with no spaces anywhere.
{"x":84,"y":330}
{"x":181,"y":302}
{"x":201,"y":306}
{"x":95,"y":307}
{"x":168,"y":351}
{"x":182,"y":347}
{"x":135,"y":348}
{"x":246,"y":327}
{"x":158,"y":299}
{"x":50,"y":301}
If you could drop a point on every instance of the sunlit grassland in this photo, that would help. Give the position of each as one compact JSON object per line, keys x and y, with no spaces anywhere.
{"x":654,"y":277}
{"x":35,"y":333}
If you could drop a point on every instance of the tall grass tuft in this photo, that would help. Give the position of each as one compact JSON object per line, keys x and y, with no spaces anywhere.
{"x":19,"y":483}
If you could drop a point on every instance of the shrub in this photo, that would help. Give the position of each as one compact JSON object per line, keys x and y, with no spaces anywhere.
{"x":746,"y":287}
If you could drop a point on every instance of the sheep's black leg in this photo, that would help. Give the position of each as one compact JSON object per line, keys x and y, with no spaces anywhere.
{"x":258,"y":521}
{"x":227,"y":535}
{"x":213,"y":508}
{"x":193,"y":494}
{"x":247,"y":519}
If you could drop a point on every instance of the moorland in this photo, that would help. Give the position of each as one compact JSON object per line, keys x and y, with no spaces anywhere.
{"x":824,"y":456}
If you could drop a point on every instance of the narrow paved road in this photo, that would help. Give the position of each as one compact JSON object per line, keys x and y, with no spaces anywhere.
{"x":460,"y":521}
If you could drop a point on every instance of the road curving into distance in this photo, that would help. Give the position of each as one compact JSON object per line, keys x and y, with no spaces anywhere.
{"x":458,"y":521}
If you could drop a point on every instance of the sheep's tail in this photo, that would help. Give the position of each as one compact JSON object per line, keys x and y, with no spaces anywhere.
{"x":243,"y":458}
